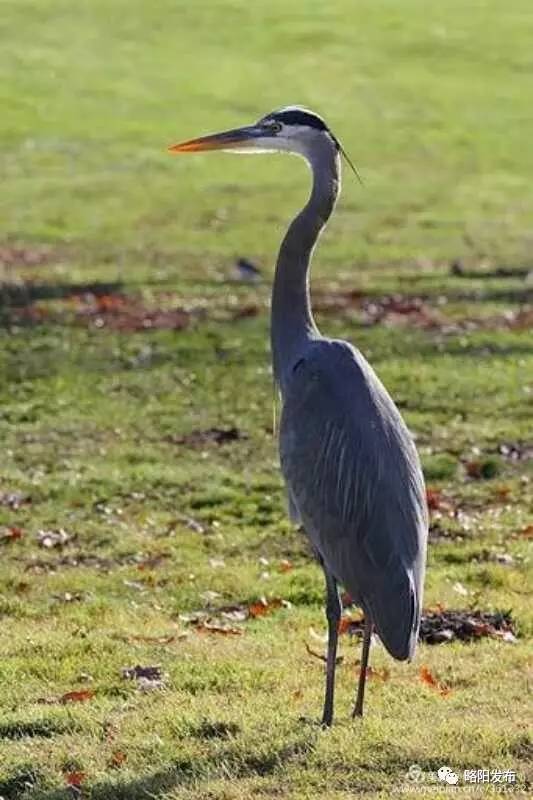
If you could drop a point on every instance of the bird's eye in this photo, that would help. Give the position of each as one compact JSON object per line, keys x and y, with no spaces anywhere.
{"x":275,"y":127}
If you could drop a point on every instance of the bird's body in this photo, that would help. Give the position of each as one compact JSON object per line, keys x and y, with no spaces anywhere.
{"x":352,"y":471}
{"x":354,"y":482}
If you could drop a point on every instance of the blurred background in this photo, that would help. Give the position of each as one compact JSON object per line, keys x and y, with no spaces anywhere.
{"x":431,"y":102}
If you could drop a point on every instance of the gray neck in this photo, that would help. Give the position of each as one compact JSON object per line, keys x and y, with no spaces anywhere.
{"x":292,"y":323}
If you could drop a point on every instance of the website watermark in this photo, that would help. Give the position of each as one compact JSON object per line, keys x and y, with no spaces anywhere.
{"x":471,"y":781}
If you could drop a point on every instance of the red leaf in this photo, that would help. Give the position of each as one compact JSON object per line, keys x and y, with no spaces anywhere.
{"x":434,"y":498}
{"x":263,"y":607}
{"x":77,"y":696}
{"x":75,"y":778}
{"x":117,"y":759}
{"x":429,"y":679}
{"x":12,"y":534}
{"x":350,"y":624}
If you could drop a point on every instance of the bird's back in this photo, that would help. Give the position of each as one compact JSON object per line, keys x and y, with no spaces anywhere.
{"x":354,"y":477}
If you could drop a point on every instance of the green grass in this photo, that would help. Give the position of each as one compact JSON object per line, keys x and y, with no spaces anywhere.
{"x":432,"y":102}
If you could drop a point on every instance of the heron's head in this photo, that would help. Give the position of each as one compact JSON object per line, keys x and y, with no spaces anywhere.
{"x":292,"y":129}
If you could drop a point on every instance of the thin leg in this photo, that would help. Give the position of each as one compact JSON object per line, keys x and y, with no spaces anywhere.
{"x":333,"y":613}
{"x":367,"y":635}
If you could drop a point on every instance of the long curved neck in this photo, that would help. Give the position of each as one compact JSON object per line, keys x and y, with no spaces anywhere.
{"x":292,"y":323}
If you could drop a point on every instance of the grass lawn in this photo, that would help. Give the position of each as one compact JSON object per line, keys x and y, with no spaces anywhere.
{"x":142,"y":512}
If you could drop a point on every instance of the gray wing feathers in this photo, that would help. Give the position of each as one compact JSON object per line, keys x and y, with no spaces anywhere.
{"x":354,"y":477}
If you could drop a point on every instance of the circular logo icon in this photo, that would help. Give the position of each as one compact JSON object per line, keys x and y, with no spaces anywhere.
{"x":414,"y":774}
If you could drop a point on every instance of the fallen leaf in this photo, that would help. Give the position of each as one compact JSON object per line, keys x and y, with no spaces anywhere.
{"x":434,"y":498}
{"x":501,"y":493}
{"x":77,"y":696}
{"x":527,"y":532}
{"x":321,"y":656}
{"x":428,"y":678}
{"x":75,"y":778}
{"x":439,"y":625}
{"x":264,"y":607}
{"x":11,"y":534}
{"x":117,"y":759}
{"x":353,"y":626}
{"x":486,"y":469}
{"x":223,"y":630}
{"x":285,"y":565}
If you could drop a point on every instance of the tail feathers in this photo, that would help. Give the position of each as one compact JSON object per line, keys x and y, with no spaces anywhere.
{"x":395,"y":610}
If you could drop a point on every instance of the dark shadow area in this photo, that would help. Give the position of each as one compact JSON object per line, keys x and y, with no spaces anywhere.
{"x":44,"y":728}
{"x":459,"y":271}
{"x":20,"y":295}
{"x":184,"y":772}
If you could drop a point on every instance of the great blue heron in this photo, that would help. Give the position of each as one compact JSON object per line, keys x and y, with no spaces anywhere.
{"x":352,"y":471}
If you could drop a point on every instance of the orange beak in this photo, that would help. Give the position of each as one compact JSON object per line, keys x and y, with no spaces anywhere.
{"x":227,"y":140}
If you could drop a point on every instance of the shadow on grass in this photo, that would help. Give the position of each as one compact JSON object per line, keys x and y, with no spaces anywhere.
{"x":186,"y":772}
{"x":24,"y":294}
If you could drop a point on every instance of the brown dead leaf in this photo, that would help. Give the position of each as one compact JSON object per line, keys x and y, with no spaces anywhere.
{"x":285,"y":565}
{"x":321,"y":656}
{"x":77,"y":696}
{"x":439,"y":625}
{"x":75,"y":779}
{"x":473,"y":469}
{"x":351,"y":625}
{"x":434,"y":498}
{"x":117,"y":759}
{"x":527,"y":532}
{"x":264,"y":607}
{"x":427,"y":677}
{"x":223,"y":630}
{"x":437,"y":608}
{"x":11,"y":534}
{"x":437,"y":500}
{"x":502,"y":493}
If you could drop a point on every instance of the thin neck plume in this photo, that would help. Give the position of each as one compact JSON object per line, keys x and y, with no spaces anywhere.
{"x":292,"y":323}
